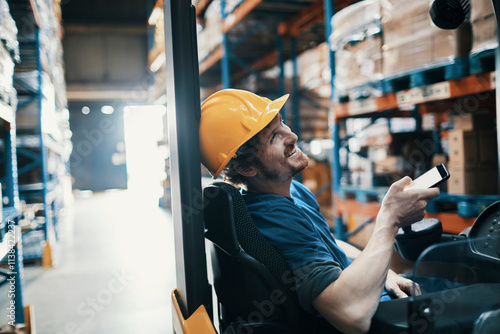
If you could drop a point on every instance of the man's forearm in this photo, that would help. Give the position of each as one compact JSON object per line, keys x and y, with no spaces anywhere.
{"x":358,"y":289}
{"x":350,"y":301}
{"x":350,"y":251}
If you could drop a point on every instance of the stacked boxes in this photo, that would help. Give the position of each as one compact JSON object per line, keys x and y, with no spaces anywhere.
{"x":314,"y":70}
{"x":313,"y":117}
{"x":314,"y":78}
{"x":210,"y":37}
{"x":9,"y":51}
{"x":7,"y":92}
{"x":483,"y":25}
{"x":473,"y":155}
{"x":412,"y":41}
{"x":357,"y":41}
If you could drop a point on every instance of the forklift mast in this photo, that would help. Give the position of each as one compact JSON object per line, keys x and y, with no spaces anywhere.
{"x":183,"y":108}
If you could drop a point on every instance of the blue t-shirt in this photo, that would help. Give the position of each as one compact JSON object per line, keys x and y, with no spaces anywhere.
{"x":296,"y":228}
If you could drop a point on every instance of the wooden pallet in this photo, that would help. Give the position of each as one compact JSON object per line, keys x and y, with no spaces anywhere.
{"x":482,"y":61}
{"x":362,"y":195}
{"x":455,"y":68}
{"x":467,"y":206}
{"x":366,"y":90}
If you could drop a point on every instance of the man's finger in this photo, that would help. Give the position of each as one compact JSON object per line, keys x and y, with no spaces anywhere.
{"x":399,"y":293}
{"x":416,"y":289}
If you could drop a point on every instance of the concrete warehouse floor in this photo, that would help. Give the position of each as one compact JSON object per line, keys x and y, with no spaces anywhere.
{"x":115,"y":269}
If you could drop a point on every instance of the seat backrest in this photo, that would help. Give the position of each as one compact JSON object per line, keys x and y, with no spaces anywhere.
{"x":253,"y":282}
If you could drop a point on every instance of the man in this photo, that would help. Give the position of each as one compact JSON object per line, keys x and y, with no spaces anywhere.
{"x":242,"y":136}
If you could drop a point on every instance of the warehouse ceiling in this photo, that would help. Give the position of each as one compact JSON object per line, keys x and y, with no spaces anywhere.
{"x":105,"y":47}
{"x":108,"y":12}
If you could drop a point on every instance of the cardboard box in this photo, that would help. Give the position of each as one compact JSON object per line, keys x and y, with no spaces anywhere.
{"x":480,"y":9}
{"x":473,"y":147}
{"x":455,"y":43}
{"x":439,"y":159}
{"x":463,"y":147}
{"x":472,"y":121}
{"x":488,"y":147}
{"x":483,"y":34}
{"x":473,"y":180}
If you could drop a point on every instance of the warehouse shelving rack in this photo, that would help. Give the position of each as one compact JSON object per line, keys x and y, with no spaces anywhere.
{"x":410,"y":102}
{"x":290,"y":27}
{"x":229,"y":62}
{"x":11,"y":253}
{"x":34,"y":79}
{"x":419,"y":100}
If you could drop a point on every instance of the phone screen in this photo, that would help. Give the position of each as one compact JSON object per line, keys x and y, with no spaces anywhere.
{"x":430,"y":178}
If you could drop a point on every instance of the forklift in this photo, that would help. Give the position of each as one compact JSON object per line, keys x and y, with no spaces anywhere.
{"x":209,"y":213}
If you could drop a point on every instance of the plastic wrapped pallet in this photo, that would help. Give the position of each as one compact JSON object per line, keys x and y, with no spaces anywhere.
{"x":357,"y":42}
{"x":7,"y":92}
{"x":210,"y":37}
{"x":483,"y":26}
{"x":481,"y":9}
{"x":412,"y":41}
{"x":8,"y":30}
{"x":314,"y":67}
{"x":313,"y":117}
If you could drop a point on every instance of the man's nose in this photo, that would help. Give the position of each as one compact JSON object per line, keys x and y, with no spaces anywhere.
{"x":290,"y":137}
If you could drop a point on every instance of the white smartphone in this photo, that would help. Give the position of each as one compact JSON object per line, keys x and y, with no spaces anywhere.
{"x":431,"y":178}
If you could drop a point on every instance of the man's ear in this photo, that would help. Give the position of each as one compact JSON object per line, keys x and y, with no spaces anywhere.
{"x":245,"y":171}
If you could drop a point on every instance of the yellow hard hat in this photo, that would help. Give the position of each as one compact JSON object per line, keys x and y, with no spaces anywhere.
{"x":229,"y":118}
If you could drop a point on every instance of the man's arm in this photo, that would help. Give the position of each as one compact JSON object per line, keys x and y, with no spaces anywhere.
{"x":350,"y":301}
{"x":396,"y":285}
{"x":349,"y":250}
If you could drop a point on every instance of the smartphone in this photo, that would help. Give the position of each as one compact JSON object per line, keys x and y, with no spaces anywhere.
{"x":431,"y":178}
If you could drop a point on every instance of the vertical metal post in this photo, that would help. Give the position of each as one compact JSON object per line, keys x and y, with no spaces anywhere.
{"x":415,"y":114}
{"x":43,"y":151}
{"x":295,"y":87}
{"x":183,"y":109}
{"x":295,"y":94}
{"x":151,"y":29}
{"x":19,"y":273}
{"x":12,"y":191}
{"x":225,"y":70}
{"x":340,"y":228}
{"x":496,"y":7}
{"x":281,"y":65}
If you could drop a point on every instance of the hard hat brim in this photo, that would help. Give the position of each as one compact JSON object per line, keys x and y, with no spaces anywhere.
{"x":273,"y":108}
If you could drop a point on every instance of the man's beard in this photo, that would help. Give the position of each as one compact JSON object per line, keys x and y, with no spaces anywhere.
{"x":276,"y":176}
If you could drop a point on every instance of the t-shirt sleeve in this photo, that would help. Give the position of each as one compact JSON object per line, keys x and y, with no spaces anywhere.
{"x":312,"y":278}
{"x":292,"y":234}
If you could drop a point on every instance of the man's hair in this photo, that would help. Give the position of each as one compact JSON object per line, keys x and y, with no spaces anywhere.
{"x":245,"y":158}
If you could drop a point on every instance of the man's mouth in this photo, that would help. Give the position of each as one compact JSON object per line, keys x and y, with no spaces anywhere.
{"x":291,"y":153}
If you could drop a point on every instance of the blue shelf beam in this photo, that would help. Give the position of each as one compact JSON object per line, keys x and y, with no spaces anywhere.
{"x":225,"y":71}
{"x":10,"y":161}
{"x":340,"y":228}
{"x":11,"y":254}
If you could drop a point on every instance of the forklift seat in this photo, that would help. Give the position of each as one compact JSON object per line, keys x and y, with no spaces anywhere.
{"x":254,"y":284}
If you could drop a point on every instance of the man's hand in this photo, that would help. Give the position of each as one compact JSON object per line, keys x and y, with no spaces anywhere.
{"x":401,"y":208}
{"x":401,"y":287}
